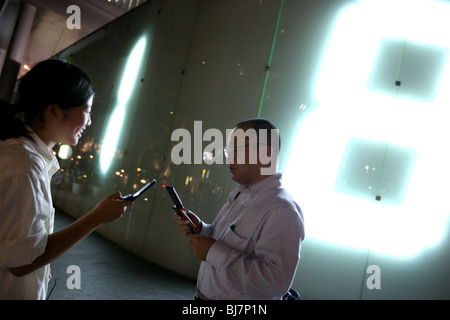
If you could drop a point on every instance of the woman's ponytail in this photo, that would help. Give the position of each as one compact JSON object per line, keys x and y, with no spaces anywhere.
{"x":11,"y":126}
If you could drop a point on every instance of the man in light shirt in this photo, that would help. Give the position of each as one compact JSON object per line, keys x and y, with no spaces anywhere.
{"x":252,"y":249}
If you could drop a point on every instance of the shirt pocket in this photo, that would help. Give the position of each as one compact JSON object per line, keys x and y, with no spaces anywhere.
{"x":237,"y":240}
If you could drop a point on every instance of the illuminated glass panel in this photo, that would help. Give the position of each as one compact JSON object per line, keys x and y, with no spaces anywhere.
{"x":407,"y":69}
{"x":375,"y":45}
{"x":375,"y":170}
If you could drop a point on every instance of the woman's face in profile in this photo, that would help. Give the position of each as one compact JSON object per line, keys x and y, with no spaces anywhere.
{"x":75,"y":122}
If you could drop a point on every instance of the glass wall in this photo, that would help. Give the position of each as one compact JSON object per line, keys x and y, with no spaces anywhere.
{"x":357,"y":106}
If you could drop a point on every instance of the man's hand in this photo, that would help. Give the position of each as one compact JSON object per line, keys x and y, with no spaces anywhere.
{"x":200,"y":246}
{"x":183,"y":224}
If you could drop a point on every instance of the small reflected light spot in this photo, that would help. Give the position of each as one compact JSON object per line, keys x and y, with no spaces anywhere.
{"x":65,"y":151}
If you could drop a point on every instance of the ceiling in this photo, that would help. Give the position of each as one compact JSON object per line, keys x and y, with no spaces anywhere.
{"x":50,"y":34}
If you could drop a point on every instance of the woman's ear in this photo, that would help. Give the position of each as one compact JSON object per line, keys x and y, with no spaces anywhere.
{"x":53,"y":111}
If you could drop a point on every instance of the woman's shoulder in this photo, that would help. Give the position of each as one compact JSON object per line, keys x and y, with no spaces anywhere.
{"x":15,"y":157}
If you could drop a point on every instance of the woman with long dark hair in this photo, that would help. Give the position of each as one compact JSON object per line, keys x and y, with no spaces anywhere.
{"x":55,"y":100}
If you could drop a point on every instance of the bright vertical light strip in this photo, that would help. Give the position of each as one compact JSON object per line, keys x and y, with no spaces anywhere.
{"x":347,"y":109}
{"x":125,"y":90}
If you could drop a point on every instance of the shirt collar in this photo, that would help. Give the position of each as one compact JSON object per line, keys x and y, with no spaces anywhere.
{"x":43,"y":150}
{"x":259,"y":187}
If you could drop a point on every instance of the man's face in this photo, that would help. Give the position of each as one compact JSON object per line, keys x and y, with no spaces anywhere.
{"x":243,"y":157}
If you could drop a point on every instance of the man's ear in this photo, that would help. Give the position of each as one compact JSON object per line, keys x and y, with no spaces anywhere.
{"x":264,"y":154}
{"x":266,"y":150}
{"x":269,"y":150}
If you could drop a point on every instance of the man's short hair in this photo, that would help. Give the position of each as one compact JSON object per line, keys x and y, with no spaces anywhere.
{"x":257,"y":124}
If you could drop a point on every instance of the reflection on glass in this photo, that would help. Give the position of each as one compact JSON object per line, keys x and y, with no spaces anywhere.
{"x":126,"y":88}
{"x":65,"y":151}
